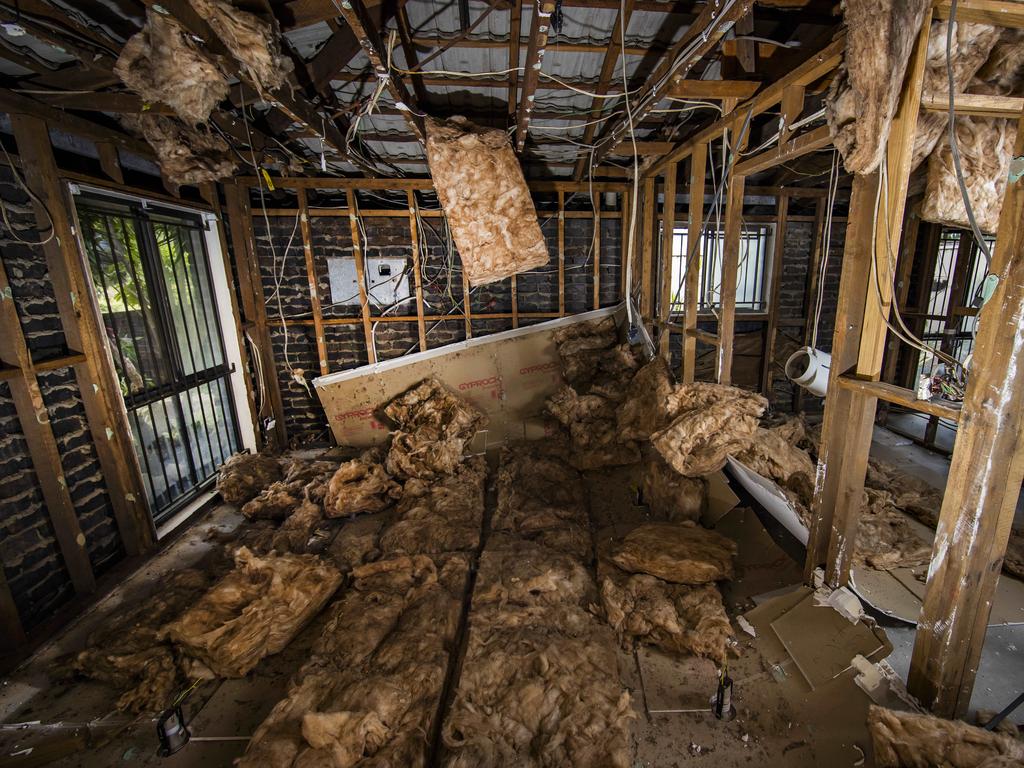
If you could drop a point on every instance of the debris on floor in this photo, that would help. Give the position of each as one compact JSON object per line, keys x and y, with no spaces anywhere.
{"x":245,"y":475}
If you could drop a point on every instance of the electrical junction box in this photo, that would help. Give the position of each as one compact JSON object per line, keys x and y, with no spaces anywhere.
{"x":387,"y":280}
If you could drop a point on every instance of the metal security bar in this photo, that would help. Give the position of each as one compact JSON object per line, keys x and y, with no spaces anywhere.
{"x":151,"y":273}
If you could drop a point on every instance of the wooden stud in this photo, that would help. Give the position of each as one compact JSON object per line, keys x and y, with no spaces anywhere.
{"x":596,"y":245}
{"x":911,"y":228}
{"x":851,"y":432}
{"x":561,"y":253}
{"x":515,"y":302}
{"x":414,"y":234}
{"x":984,"y":481}
{"x":467,"y":301}
{"x":83,"y":330}
{"x":771,"y":327}
{"x":42,"y":446}
{"x":357,"y":252}
{"x":646,"y":279}
{"x":109,"y":161}
{"x":695,"y":224}
{"x":515,"y":27}
{"x":314,"y":290}
{"x":624,"y":239}
{"x":730,"y":269}
{"x":668,"y":229}
{"x":254,"y":303}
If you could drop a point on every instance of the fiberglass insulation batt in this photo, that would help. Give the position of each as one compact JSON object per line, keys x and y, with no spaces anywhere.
{"x":485,"y":199}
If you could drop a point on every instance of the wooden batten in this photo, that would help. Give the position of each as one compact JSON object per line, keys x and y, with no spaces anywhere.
{"x":691,"y":280}
{"x":982,"y":487}
{"x":649,"y":212}
{"x":414,"y":236}
{"x":314,"y":290}
{"x":668,"y":226}
{"x":83,"y":330}
{"x":771,"y":327}
{"x":364,"y":299}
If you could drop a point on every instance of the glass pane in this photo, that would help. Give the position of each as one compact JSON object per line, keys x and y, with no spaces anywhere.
{"x":125,"y":301}
{"x":158,"y":431}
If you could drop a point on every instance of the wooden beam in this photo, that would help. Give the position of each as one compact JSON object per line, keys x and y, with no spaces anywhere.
{"x":357,"y":252}
{"x":816,"y":67}
{"x":109,"y":161}
{"x":668,"y":228}
{"x":642,"y":148}
{"x":42,"y":446}
{"x":892,"y":393}
{"x":343,"y":45}
{"x":83,"y":330}
{"x":561,"y":253}
{"x":314,"y":290}
{"x":254,"y":306}
{"x":624,"y":241}
{"x":649,"y":210}
{"x":540,"y":24}
{"x":515,"y":23}
{"x":414,"y":235}
{"x":611,"y":57}
{"x":698,"y":39}
{"x":984,"y":481}
{"x":812,"y":141}
{"x":771,"y":327}
{"x":871,"y":286}
{"x":596,"y":244}
{"x":467,"y":315}
{"x":998,"y":13}
{"x":974,"y":104}
{"x":412,"y":61}
{"x":359,"y":19}
{"x":713,"y":89}
{"x":730,"y":267}
{"x":695,"y":224}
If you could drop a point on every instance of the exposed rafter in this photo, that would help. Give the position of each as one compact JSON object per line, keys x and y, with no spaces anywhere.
{"x":358,"y":18}
{"x":540,"y":25}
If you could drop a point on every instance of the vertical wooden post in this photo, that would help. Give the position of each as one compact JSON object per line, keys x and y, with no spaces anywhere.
{"x":695,"y":224}
{"x":650,"y":213}
{"x":983,"y":484}
{"x":314,"y":291}
{"x":860,"y":335}
{"x":624,"y":242}
{"x":596,"y":245}
{"x":466,"y":305}
{"x":561,"y":254}
{"x":771,"y":327}
{"x":730,"y":268}
{"x":42,"y":446}
{"x":83,"y":330}
{"x":357,"y":253}
{"x":254,"y":303}
{"x":911,"y":227}
{"x":109,"y":161}
{"x":515,"y":303}
{"x":668,"y":228}
{"x":414,"y":234}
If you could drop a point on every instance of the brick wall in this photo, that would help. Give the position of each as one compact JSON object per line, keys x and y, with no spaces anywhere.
{"x":389,"y":237}
{"x":29,"y":554}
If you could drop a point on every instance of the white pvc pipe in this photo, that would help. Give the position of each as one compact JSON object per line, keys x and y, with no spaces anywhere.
{"x":808,"y":368}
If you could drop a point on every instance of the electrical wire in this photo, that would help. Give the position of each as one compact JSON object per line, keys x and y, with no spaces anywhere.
{"x":826,"y":240}
{"x":34,"y":198}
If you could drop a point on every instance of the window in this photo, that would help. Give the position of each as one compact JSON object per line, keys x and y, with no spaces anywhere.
{"x":756,"y":243}
{"x":153,"y":284}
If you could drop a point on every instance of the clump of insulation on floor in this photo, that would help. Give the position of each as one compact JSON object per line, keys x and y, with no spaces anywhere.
{"x":538,"y":685}
{"x":370,"y":693}
{"x":253,"y":42}
{"x":667,"y":493}
{"x":434,"y":427}
{"x":127,"y":654}
{"x":681,"y":553}
{"x":444,"y":515}
{"x":245,"y":475}
{"x":674,"y":617}
{"x":485,"y":199}
{"x":912,"y":740}
{"x":254,"y":611}
{"x":708,"y":422}
{"x":163,"y":64}
{"x":644,"y":410}
{"x":361,"y":485}
{"x":279,"y":499}
{"x":862,"y":99}
{"x":186,"y":155}
{"x":590,"y":421}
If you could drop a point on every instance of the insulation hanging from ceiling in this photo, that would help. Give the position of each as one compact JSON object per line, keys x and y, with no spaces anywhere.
{"x":253,"y":42}
{"x":163,"y":63}
{"x":862,"y":100}
{"x":186,"y":155}
{"x":485,"y":199}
